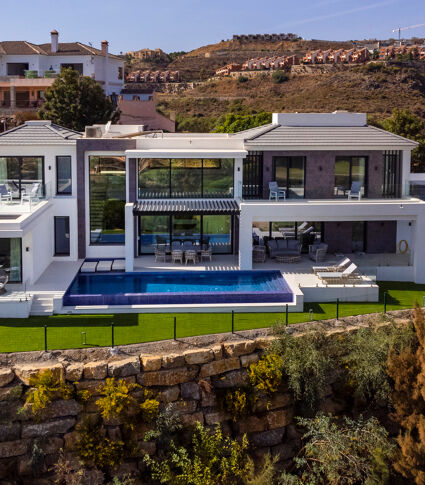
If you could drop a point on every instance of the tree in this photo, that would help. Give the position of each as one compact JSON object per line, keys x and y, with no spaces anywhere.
{"x":77,"y":101}
{"x":233,"y":123}
{"x":407,"y":370}
{"x":405,"y":123}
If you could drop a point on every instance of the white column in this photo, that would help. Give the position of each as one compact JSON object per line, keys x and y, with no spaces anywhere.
{"x":245,"y":241}
{"x":129,"y":237}
{"x":237,"y":187}
{"x":405,"y":172}
{"x":419,"y":248}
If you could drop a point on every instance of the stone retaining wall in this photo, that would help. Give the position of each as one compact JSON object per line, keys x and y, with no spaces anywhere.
{"x":189,"y":379}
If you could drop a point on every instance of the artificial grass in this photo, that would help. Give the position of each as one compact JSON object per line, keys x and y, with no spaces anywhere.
{"x":66,"y":331}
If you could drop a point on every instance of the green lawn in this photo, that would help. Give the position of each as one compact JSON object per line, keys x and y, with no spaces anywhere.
{"x":65,"y":331}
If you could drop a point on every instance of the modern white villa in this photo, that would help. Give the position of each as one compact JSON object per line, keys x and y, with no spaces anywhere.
{"x":306,"y":191}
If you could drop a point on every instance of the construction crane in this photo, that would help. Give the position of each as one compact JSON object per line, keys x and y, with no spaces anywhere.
{"x":407,"y":28}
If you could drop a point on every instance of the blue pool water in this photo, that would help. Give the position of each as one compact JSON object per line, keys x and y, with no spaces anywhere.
{"x":178,"y":287}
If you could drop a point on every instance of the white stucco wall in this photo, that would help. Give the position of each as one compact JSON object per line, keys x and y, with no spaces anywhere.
{"x":37,"y":230}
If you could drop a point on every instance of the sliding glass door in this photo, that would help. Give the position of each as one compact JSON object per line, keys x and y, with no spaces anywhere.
{"x":186,"y":227}
{"x":212,"y":229}
{"x":153,"y":230}
{"x":11,"y":258}
{"x":21,"y":174}
{"x":349,"y":170}
{"x":289,"y":173}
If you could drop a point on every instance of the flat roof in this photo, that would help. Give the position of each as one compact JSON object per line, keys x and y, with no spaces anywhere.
{"x":186,"y":153}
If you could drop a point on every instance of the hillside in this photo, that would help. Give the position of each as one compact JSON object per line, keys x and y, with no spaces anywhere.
{"x":375,"y":90}
{"x":211,"y":57}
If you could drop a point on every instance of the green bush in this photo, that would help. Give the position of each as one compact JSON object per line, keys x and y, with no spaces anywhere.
{"x":243,"y":79}
{"x":210,"y":459}
{"x":116,"y":400}
{"x":339,"y":452}
{"x":45,"y":388}
{"x":279,"y":77}
{"x":365,"y":357}
{"x":307,"y":363}
{"x":95,"y":449}
{"x":266,"y":374}
{"x":237,"y":402}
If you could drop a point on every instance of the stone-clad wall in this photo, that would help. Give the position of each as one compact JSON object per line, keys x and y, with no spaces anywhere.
{"x":187,"y":379}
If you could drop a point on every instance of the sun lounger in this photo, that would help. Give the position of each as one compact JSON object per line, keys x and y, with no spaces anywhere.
{"x":88,"y":267}
{"x":118,"y":265}
{"x":336,"y":277}
{"x":104,"y":266}
{"x":336,"y":267}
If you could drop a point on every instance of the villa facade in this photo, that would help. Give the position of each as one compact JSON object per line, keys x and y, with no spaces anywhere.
{"x":119,"y":193}
{"x":27,"y":69}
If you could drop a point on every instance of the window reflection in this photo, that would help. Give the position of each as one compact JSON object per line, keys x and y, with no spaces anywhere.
{"x":349,"y":170}
{"x":107,"y":200}
{"x":185,"y":178}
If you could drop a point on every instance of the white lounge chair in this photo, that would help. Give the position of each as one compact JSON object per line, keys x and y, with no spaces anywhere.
{"x":355,"y":191}
{"x":118,"y":265}
{"x":337,"y":267}
{"x":335,"y":277}
{"x":104,"y":265}
{"x":88,"y":267}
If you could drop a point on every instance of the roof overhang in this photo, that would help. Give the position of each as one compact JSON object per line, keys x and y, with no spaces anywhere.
{"x":185,"y":153}
{"x":188,"y":206}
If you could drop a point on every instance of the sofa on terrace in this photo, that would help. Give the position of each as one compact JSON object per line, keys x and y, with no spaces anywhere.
{"x":283,"y":247}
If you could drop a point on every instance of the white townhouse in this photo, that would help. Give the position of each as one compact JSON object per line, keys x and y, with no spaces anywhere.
{"x":26,"y":69}
{"x":305,"y":181}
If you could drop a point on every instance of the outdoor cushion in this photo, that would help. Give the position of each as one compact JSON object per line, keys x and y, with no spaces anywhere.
{"x":293,"y":244}
{"x":282,"y":244}
{"x":272,"y":244}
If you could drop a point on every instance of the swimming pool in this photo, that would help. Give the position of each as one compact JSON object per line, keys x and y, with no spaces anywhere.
{"x":178,"y":287}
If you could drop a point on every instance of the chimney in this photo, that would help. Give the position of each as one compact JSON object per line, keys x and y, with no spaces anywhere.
{"x":104,"y":44}
{"x":54,"y":40}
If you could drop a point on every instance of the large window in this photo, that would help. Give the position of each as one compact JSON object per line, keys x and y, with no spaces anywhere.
{"x":349,"y":170}
{"x":11,"y":258}
{"x":288,"y":172}
{"x":215,"y":230}
{"x":21,"y":174}
{"x":185,"y":178}
{"x":63,"y":176}
{"x":62,"y":240}
{"x":107,"y":199}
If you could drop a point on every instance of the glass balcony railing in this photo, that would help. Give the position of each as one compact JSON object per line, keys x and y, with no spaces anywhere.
{"x":24,"y":197}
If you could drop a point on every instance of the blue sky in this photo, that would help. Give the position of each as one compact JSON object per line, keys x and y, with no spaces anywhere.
{"x":186,"y":24}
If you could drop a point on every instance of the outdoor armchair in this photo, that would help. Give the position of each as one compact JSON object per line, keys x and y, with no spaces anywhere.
{"x":355,"y":191}
{"x":317,"y":252}
{"x":276,"y":192}
{"x":5,"y":194}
